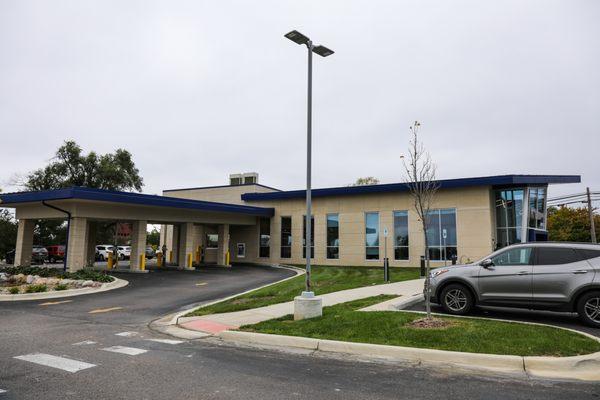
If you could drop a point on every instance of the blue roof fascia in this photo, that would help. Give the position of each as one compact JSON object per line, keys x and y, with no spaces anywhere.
{"x":131,"y":198}
{"x":499,"y":180}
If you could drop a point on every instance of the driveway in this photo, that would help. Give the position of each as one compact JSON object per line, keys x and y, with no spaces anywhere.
{"x":565,"y":320}
{"x":99,"y":347}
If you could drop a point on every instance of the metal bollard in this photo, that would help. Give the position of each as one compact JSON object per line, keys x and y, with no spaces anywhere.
{"x":109,"y":261}
{"x":189,"y":261}
{"x":386,"y":270}
{"x":422,"y":266}
{"x":142,"y":262}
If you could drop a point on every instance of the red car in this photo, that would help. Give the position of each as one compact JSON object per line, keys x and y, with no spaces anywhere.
{"x":55,"y":253}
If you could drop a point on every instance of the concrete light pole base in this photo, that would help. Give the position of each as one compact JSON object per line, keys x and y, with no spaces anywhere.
{"x":307,"y":306}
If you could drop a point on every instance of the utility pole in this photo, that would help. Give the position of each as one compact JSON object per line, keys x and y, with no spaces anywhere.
{"x":591,"y":213}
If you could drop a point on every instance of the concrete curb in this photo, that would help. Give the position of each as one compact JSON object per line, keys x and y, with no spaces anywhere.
{"x":116,"y":284}
{"x":299,"y":271}
{"x":408,"y":302}
{"x":586,"y":367}
{"x":168,"y":323}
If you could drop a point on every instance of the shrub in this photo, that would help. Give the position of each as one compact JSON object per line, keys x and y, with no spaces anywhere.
{"x":36,"y":288}
{"x":14,"y":290}
{"x":61,"y":286}
{"x":85,"y":274}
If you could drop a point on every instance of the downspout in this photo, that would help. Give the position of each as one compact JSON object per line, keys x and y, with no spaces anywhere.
{"x":68,"y":229}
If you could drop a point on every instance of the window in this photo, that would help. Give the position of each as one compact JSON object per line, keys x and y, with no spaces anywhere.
{"x":587,"y":254}
{"x":212,"y":241}
{"x":241,"y":250}
{"x":286,"y":237}
{"x":372,"y":236}
{"x":264,"y":237}
{"x":441,"y":234}
{"x":509,"y":216}
{"x":333,"y":236}
{"x":556,"y":256}
{"x":400,"y":235}
{"x":518,"y":256}
{"x":312,"y":237}
{"x":537,"y":208}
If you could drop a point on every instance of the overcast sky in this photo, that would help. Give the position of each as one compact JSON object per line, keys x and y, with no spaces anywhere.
{"x":197,"y":90}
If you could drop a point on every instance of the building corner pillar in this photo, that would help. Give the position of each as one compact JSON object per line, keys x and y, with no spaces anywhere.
{"x":24,"y":245}
{"x":223,"y":249}
{"x":139,"y":236}
{"x":77,"y":243}
{"x":187,"y":252}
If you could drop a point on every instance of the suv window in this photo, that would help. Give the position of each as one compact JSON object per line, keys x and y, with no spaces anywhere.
{"x":100,"y":247}
{"x":586,"y":254}
{"x":518,"y":256}
{"x":556,"y":256}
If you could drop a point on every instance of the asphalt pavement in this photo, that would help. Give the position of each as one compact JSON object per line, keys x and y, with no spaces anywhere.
{"x":99,"y":347}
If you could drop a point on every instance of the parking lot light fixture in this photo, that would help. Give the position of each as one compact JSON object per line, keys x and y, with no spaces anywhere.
{"x":323,"y":51}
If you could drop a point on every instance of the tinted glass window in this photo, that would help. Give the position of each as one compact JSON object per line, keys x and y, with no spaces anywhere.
{"x":518,"y":256}
{"x":556,"y":255}
{"x":585,"y":254}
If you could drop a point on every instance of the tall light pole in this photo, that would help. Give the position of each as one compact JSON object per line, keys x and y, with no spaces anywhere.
{"x":323,"y":51}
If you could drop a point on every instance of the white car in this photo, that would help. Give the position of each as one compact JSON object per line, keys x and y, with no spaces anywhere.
{"x":103,"y":250}
{"x":124,"y":252}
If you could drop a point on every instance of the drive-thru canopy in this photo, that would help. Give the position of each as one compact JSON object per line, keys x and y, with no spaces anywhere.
{"x":83,"y":206}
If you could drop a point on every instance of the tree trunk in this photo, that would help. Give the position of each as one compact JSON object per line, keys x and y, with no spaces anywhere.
{"x":427,"y":282}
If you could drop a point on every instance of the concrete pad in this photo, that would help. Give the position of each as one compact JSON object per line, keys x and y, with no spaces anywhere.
{"x":383,"y":306}
{"x":205,"y":325}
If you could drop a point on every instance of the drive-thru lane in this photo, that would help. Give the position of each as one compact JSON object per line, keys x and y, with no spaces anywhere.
{"x":62,"y":351}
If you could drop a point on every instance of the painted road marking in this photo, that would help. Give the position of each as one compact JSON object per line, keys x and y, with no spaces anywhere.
{"x":130,"y":351}
{"x":103,"y":310}
{"x":126,"y":334}
{"x":51,"y":303}
{"x":2,"y":391}
{"x":201,"y":283}
{"x":66,"y":364}
{"x":166,"y":341}
{"x":84,"y":343}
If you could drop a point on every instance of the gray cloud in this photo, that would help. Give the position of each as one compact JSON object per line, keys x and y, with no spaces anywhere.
{"x":200,"y":89}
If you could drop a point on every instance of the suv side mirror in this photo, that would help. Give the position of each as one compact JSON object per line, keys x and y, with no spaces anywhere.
{"x":487,"y":263}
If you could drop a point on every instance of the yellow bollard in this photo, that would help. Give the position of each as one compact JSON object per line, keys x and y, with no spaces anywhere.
{"x":171,"y":256}
{"x":227,"y":258}
{"x":159,"y":257}
{"x":189,"y":261}
{"x":142,"y":262}
{"x":109,"y":261}
{"x":198,"y":255}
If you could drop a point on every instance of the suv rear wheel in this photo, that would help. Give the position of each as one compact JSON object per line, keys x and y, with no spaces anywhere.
{"x":456,"y":299}
{"x":588,"y":308}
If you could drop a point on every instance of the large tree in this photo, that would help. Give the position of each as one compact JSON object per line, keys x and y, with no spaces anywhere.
{"x":571,"y":224}
{"x":71,"y":167}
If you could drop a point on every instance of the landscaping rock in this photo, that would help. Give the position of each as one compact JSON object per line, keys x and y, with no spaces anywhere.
{"x":87,"y":284}
{"x":4,"y":277}
{"x":39,"y":281}
{"x":29,"y":279}
{"x":19,"y":278}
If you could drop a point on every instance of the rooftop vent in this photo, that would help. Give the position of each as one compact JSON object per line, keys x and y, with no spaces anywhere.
{"x":246,"y":178}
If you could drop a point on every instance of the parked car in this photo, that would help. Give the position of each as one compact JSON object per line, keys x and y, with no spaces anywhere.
{"x":540,"y":276}
{"x":55,"y":253}
{"x":39,"y":255}
{"x":124,"y":252}
{"x":150,"y":253}
{"x":10,"y":257}
{"x":103,"y":250}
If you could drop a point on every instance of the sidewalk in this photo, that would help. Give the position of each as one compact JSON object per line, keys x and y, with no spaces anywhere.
{"x":216,"y":323}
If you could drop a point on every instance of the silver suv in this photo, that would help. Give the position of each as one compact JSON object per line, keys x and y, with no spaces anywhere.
{"x":543,"y":276}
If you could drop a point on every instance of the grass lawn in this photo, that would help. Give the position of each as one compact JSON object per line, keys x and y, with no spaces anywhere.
{"x":343,"y":322}
{"x":325,"y":279}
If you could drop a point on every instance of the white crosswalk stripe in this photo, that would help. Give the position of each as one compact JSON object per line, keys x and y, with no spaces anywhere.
{"x":126,"y":334}
{"x":48,"y":360}
{"x":2,"y":391}
{"x":130,"y":351}
{"x":84,"y":343}
{"x":166,"y":341}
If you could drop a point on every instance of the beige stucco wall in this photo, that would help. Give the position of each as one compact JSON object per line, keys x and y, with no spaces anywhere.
{"x":473,"y":224}
{"x":219,"y":194}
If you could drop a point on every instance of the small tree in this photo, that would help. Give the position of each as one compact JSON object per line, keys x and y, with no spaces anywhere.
{"x":420,"y":178}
